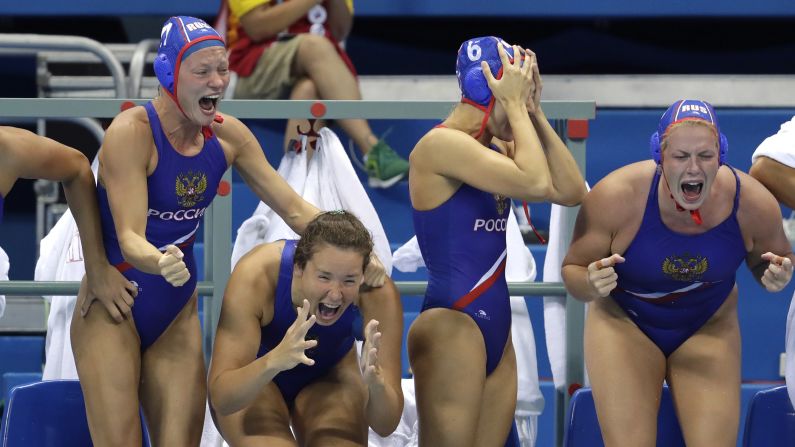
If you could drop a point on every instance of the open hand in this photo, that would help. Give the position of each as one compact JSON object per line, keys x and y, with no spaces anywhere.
{"x":112,"y":289}
{"x":292,"y":349}
{"x":368,"y":361}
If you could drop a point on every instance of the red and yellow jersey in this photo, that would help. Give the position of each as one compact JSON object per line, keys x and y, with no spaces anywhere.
{"x":244,"y":52}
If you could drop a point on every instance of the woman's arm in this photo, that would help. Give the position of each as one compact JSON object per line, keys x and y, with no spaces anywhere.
{"x":380,"y":359}
{"x":587,"y":270}
{"x":568,"y":185}
{"x":270,"y":18}
{"x":236,"y":375}
{"x":249,"y":159}
{"x":340,"y":18}
{"x":34,"y":156}
{"x":770,"y":258}
{"x":777,"y":177}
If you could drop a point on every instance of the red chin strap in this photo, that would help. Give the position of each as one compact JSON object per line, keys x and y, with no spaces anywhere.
{"x":694,"y":214}
{"x":207,"y":131}
{"x":527,"y":215}
{"x":487,"y":113}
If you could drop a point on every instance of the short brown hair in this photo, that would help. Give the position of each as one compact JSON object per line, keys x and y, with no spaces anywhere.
{"x":340,"y":229}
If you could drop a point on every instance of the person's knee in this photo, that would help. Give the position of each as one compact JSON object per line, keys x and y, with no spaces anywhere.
{"x":304,"y":88}
{"x":314,"y":49}
{"x":332,"y":433}
{"x":124,"y":431}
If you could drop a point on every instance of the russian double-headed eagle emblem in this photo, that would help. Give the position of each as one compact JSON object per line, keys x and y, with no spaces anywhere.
{"x":502,"y":203}
{"x":190,"y":188}
{"x":685,"y":267}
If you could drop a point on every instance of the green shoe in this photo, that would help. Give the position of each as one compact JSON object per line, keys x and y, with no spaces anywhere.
{"x":384,"y":166}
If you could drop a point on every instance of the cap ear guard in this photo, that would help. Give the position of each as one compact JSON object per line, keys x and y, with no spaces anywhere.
{"x":179,"y":37}
{"x":164,"y":71}
{"x":723,"y":148}
{"x":474,"y":85}
{"x":654,"y":145}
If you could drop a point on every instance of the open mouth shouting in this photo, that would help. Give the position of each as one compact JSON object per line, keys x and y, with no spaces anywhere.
{"x":691,"y":191}
{"x":328,"y":313}
{"x":209,"y":103}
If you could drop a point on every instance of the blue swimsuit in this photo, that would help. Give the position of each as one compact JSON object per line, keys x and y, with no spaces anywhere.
{"x":671,"y":284}
{"x":333,"y":342}
{"x":179,"y":191}
{"x":464,"y":248}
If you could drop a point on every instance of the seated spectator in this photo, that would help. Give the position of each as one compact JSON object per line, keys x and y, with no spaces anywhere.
{"x":290,"y":50}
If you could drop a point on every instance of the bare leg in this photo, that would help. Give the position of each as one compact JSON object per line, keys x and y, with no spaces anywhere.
{"x":448,"y":357}
{"x":626,"y":370}
{"x":304,"y":89}
{"x":108,"y":363}
{"x":173,"y":382}
{"x":265,"y":422}
{"x":317,"y":59}
{"x":704,"y":374}
{"x":330,"y":411}
{"x":499,"y":401}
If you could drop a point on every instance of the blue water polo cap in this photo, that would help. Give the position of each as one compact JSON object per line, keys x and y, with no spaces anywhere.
{"x":685,"y":110}
{"x":474,"y":87}
{"x":180,"y":37}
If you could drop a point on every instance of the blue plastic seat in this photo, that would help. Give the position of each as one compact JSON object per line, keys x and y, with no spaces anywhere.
{"x":21,"y":353}
{"x":10,"y":380}
{"x":49,"y":413}
{"x":770,"y":420}
{"x":582,"y":427}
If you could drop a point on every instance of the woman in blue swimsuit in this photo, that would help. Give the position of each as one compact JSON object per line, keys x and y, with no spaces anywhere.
{"x":655,"y":251}
{"x":284,"y":353}
{"x":460,"y":185}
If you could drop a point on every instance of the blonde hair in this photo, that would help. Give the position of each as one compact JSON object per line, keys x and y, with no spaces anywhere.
{"x":688,"y":123}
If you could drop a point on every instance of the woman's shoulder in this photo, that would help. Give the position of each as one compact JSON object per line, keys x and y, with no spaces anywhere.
{"x":628,"y":179}
{"x":622,"y":193}
{"x":132,"y":123}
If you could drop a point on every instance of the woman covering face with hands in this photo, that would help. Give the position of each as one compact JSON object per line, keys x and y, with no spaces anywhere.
{"x":655,"y":251}
{"x":284,"y":354}
{"x":460,"y":185}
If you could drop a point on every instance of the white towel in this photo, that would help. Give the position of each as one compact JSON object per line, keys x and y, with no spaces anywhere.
{"x":327,"y":181}
{"x":5,"y":264}
{"x":258,"y":228}
{"x":555,"y":306}
{"x":407,"y":432}
{"x":60,"y":259}
{"x":520,"y":266}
